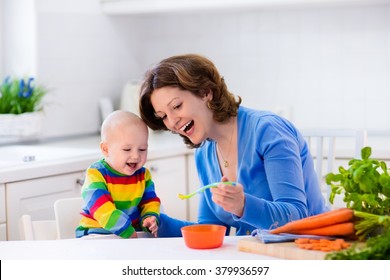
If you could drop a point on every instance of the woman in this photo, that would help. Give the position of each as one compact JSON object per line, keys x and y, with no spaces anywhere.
{"x":263,"y":153}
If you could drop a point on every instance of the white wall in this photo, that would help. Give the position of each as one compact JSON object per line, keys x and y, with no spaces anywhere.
{"x":324,"y":67}
{"x":20,"y":38}
{"x":82,"y":57}
{"x":319,"y":66}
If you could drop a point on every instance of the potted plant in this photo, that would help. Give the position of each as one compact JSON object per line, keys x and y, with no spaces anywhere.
{"x":21,"y":108}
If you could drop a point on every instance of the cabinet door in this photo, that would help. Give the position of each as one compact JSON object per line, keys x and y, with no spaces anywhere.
{"x":3,"y":228}
{"x":2,"y":203}
{"x":193,"y":185}
{"x":36,"y":197}
{"x":169,"y":177}
{"x":3,"y":232}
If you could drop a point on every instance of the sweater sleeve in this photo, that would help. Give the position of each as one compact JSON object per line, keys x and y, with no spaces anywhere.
{"x":101,"y":207}
{"x":171,"y":227}
{"x":150,"y":203}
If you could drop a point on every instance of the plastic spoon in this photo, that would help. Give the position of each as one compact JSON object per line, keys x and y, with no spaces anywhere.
{"x":213,"y":185}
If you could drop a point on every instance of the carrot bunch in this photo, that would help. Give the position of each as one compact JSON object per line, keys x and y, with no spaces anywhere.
{"x":337,"y":222}
{"x":324,"y":245}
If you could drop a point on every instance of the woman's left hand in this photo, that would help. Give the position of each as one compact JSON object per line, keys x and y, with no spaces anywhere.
{"x":230,"y":198}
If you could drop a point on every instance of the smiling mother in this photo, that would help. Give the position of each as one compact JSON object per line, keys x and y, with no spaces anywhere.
{"x":263,"y":152}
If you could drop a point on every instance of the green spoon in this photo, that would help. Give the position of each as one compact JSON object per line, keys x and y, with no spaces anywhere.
{"x":213,"y":185}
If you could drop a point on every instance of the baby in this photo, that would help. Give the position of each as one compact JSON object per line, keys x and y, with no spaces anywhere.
{"x":118,"y":190}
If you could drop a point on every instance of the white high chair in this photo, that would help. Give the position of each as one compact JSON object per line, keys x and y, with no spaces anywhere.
{"x":67,"y":216}
{"x":327,"y":145}
{"x":37,"y":230}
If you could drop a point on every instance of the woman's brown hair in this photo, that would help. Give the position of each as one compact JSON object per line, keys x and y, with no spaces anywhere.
{"x":193,"y":73}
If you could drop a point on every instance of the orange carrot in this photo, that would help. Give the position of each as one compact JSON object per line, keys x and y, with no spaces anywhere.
{"x":301,"y":240}
{"x":324,"y":214}
{"x":324,"y":245}
{"x":341,"y":229}
{"x":317,"y":221}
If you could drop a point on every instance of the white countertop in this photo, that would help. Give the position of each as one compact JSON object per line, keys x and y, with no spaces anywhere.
{"x":72,"y":155}
{"x":121,"y":249}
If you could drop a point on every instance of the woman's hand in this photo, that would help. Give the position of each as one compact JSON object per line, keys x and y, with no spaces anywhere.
{"x":230,"y":198}
{"x":151,"y":224}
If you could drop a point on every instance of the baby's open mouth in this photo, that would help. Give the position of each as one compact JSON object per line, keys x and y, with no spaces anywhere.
{"x":131,"y":164}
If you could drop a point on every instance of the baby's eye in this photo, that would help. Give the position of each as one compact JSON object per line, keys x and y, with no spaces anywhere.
{"x":127,"y":150}
{"x":142,"y":150}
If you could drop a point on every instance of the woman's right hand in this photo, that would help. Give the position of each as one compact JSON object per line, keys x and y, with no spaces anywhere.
{"x":230,"y":198}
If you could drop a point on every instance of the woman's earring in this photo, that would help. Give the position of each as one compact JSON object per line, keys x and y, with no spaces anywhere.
{"x":209,"y":104}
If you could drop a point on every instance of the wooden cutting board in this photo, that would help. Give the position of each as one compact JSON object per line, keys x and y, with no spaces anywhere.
{"x":283,"y":250}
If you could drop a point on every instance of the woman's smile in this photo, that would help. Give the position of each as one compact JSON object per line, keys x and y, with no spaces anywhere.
{"x":187,"y":128}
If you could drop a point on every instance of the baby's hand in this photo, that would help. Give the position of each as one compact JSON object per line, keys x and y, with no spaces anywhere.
{"x":134,"y":235}
{"x":151,"y":224}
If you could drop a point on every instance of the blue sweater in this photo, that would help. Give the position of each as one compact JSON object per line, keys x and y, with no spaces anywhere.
{"x":275,"y":168}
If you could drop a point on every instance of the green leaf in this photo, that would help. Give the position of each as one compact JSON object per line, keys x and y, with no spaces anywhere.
{"x":331,"y":177}
{"x":384,"y":181}
{"x":383,"y":167}
{"x":366,"y":152}
{"x":357,"y":173}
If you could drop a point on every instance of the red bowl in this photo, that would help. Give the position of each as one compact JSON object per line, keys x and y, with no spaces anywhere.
{"x":204,"y":236}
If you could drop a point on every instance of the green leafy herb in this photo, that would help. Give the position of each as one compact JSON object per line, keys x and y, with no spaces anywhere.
{"x":365,"y":184}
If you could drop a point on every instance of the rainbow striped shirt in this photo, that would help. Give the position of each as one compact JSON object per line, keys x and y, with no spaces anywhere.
{"x":116,"y":203}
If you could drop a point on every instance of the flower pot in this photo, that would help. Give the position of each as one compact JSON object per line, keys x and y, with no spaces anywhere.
{"x":26,"y":126}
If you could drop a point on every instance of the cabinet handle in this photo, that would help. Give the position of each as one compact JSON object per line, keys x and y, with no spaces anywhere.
{"x":80,"y":182}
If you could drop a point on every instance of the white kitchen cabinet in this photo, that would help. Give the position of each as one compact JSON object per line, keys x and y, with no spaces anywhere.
{"x":3,"y":232}
{"x":3,"y":225}
{"x":193,"y":185}
{"x":169,"y":177}
{"x":36,"y":197}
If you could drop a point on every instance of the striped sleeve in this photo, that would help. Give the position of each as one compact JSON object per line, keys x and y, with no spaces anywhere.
{"x":150,"y":203}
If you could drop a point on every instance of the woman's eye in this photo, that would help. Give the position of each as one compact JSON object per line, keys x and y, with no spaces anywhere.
{"x":161,"y":117}
{"x":177,"y":106}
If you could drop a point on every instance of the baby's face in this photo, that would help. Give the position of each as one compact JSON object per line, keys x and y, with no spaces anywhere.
{"x":127,"y":148}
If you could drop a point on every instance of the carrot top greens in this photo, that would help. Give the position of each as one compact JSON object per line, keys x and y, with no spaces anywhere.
{"x":377,"y":248}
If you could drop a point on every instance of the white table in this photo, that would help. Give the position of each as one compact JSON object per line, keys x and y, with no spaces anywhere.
{"x":106,"y":258}
{"x":121,"y":249}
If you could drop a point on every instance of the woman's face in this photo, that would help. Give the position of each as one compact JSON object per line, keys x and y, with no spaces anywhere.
{"x":183,"y":112}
